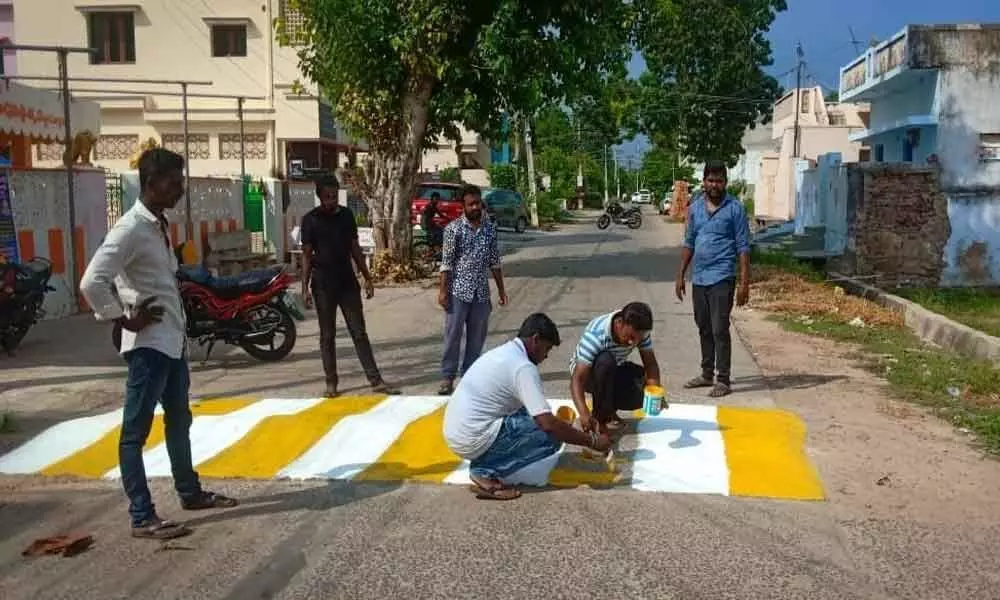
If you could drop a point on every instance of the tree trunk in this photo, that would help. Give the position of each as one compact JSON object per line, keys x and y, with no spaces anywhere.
{"x":393,"y":173}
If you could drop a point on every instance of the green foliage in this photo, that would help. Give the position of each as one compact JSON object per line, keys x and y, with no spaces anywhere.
{"x":704,"y":84}
{"x":475,"y":59}
{"x":503,"y":176}
{"x":450,"y":175}
{"x":549,"y":207}
{"x":659,"y":169}
{"x":978,"y":308}
{"x":739,"y":189}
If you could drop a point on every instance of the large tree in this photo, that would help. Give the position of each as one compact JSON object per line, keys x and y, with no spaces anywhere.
{"x":705,"y":83}
{"x":400,"y":73}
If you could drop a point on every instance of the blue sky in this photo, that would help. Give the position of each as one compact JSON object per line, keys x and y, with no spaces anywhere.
{"x":823,"y":27}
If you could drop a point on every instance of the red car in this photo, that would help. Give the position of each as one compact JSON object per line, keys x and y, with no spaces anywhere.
{"x":449,"y":207}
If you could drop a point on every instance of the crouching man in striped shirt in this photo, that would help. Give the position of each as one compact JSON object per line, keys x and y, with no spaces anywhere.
{"x":601,"y":367}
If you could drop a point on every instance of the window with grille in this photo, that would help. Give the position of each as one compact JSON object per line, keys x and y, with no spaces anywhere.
{"x":112,"y":34}
{"x":838,"y":119}
{"x":294,"y":21}
{"x":229,"y":40}
{"x":116,"y":147}
{"x":255,"y":145}
{"x":198,"y":145}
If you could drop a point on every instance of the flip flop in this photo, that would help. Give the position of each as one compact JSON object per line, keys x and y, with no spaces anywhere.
{"x":206,"y":500}
{"x":496,"y":492}
{"x":159,"y":529}
{"x":698,"y":382}
{"x":719,"y":390}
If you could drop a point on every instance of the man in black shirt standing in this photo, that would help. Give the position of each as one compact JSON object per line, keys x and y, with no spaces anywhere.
{"x":329,"y":246}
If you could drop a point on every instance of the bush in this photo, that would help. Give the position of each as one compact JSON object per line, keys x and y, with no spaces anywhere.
{"x":451,"y":175}
{"x":503,"y":176}
{"x":549,"y":208}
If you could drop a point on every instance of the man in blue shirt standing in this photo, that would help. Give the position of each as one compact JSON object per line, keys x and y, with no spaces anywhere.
{"x":717,"y":233}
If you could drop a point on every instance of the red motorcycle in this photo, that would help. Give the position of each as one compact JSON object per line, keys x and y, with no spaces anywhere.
{"x":251,"y":311}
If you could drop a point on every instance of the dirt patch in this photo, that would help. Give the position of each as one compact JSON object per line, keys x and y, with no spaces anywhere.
{"x":780,"y":291}
{"x":879,"y":457}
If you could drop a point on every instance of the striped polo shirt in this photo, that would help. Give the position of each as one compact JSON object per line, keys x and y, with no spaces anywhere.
{"x":597,"y":338}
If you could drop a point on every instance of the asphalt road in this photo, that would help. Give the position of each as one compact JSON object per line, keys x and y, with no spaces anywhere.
{"x":341,"y":540}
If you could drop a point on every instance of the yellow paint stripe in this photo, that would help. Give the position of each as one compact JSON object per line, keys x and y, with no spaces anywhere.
{"x":574,"y":470}
{"x":100,"y":457}
{"x":277,"y":441}
{"x":418,"y":454}
{"x":765,"y":452}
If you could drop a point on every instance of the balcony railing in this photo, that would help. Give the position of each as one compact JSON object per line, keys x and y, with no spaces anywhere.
{"x":874,"y":63}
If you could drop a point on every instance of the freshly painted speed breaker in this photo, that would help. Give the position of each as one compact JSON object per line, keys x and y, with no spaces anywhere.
{"x":686,"y":449}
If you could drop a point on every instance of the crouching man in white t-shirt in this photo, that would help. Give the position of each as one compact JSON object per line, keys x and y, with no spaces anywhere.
{"x":498,"y":417}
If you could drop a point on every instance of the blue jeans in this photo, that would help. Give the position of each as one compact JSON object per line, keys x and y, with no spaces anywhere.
{"x":155,"y":377}
{"x":473,"y":318}
{"x":519,"y":444}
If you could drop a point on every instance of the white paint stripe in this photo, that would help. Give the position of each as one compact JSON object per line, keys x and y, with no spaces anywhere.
{"x":357,"y":441}
{"x":211,"y":434}
{"x":681,"y":450}
{"x":58,"y":442}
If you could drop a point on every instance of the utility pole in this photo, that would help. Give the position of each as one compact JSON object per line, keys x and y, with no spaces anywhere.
{"x":579,"y":168}
{"x":529,"y":156}
{"x":618,"y":184}
{"x":605,"y":174}
{"x":798,"y":98}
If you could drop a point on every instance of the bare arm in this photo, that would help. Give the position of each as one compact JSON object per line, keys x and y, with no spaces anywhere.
{"x":578,"y":390}
{"x":564,"y":432}
{"x":359,"y":259}
{"x":307,"y":265}
{"x":686,"y":255}
{"x":651,"y":366}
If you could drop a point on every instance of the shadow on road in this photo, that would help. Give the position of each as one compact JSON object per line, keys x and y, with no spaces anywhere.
{"x":800,"y":381}
{"x":656,"y":265}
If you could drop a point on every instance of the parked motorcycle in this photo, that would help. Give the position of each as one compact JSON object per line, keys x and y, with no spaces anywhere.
{"x":618,"y":214}
{"x":22,"y":292}
{"x":250,"y":311}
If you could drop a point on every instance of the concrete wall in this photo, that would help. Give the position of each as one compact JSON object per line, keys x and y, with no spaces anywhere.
{"x":808,"y":210}
{"x":7,"y":31}
{"x":968,"y":108}
{"x":216,"y":205}
{"x":764,"y":191}
{"x":972,"y":255}
{"x":919,"y":99}
{"x":40,"y":201}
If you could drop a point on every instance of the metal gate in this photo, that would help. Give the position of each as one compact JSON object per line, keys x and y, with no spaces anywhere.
{"x":115,"y":196}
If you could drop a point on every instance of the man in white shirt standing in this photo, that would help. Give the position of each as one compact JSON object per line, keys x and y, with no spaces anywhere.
{"x":498,"y":417}
{"x":136,"y":258}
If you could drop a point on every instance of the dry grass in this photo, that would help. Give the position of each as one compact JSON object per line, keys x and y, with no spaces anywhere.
{"x":778,"y":290}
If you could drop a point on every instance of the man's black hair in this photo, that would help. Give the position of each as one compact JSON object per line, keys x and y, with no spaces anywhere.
{"x":327,"y":181}
{"x":713,"y":167}
{"x":469,"y":190}
{"x":541,"y":325}
{"x":157,"y":162}
{"x":637,"y":315}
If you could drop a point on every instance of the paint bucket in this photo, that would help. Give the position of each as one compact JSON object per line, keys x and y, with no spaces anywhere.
{"x":653,"y":400}
{"x":565,"y":413}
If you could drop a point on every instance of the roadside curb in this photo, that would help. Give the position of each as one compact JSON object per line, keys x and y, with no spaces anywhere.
{"x":927,"y":324}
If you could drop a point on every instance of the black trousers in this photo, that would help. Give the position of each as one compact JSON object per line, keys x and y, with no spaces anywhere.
{"x":327,"y":301}
{"x":713,"y":305}
{"x":615,"y":387}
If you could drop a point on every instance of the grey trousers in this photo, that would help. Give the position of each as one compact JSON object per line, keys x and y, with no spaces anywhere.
{"x":472,"y":318}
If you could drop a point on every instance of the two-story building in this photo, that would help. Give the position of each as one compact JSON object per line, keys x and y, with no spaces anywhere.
{"x":9,"y":62}
{"x":230,"y":43}
{"x":821,"y":127}
{"x":933,"y":92}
